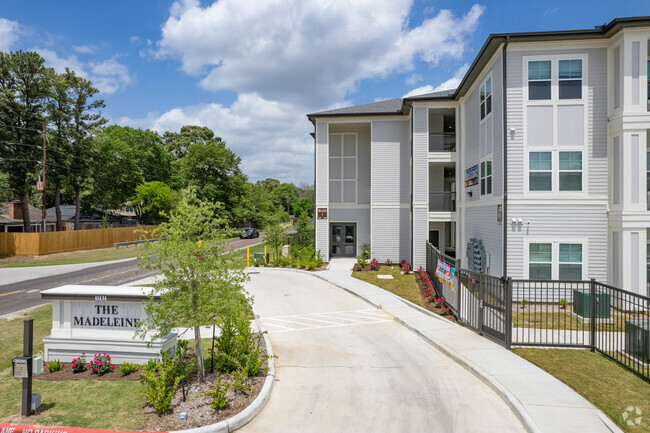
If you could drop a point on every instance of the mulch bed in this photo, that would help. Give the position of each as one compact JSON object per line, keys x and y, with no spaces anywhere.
{"x":68,"y":374}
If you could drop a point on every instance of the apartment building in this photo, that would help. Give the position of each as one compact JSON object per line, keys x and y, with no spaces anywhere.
{"x":535,"y":162}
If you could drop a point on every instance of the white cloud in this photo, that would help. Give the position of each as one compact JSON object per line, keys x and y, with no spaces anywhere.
{"x":271,"y":138}
{"x":84,"y":49}
{"x":306,"y":52}
{"x":134,"y":39}
{"x":450,"y":84}
{"x":415,"y":78}
{"x":107,"y":76}
{"x":9,"y":33}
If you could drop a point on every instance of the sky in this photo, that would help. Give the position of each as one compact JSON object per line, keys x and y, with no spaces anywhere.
{"x":251,"y":69}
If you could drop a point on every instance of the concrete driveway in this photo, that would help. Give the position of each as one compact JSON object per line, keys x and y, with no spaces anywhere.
{"x":344,"y":366}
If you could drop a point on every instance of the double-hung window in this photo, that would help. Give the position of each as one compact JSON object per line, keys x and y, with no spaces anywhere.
{"x":539,"y":79}
{"x":486,"y":177}
{"x":554,"y":260}
{"x":486,"y":98}
{"x":540,"y":171}
{"x":570,"y":171}
{"x":570,"y":79}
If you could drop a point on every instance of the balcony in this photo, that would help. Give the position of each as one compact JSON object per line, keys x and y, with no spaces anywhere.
{"x":442,"y":142}
{"x":442,"y":201}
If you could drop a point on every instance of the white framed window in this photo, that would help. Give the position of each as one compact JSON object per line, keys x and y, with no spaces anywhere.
{"x":485,"y":98}
{"x":539,"y":79}
{"x":570,"y":79}
{"x":570,"y":171}
{"x":343,"y":168}
{"x":540,"y":171}
{"x":485,"y":173}
{"x":556,"y":260}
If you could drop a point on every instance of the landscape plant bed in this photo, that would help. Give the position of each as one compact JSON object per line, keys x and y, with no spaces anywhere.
{"x":322,"y":267}
{"x":429,"y":294}
{"x":68,"y":374}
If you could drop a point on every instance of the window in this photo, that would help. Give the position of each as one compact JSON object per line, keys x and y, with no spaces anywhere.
{"x":540,"y":261}
{"x":486,"y":98}
{"x":570,"y":171}
{"x":343,"y":168}
{"x":539,"y":79}
{"x":540,"y":171}
{"x":570,"y":79}
{"x":570,"y":263}
{"x":486,"y":177}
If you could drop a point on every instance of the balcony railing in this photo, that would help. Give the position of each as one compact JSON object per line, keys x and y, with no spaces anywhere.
{"x":442,"y":201}
{"x":442,"y":142}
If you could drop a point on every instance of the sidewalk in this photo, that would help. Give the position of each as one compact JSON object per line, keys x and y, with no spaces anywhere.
{"x":542,"y":402}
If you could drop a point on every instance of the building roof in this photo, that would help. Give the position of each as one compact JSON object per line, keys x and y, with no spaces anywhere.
{"x":491,"y":45}
{"x":35,"y":215}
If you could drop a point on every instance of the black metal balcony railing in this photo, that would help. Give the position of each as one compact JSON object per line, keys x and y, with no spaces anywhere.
{"x":442,"y":201}
{"x":442,"y":142}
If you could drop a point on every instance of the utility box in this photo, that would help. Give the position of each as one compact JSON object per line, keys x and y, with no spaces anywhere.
{"x":37,"y":365}
{"x":637,"y":339}
{"x":36,"y":401}
{"x":581,"y":299}
{"x":22,"y":366}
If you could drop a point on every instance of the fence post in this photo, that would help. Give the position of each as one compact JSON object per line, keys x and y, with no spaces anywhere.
{"x":592,"y":314}
{"x":458,"y":285}
{"x":507,"y":281}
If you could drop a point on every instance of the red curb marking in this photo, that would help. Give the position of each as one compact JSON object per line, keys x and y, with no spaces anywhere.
{"x":24,"y":428}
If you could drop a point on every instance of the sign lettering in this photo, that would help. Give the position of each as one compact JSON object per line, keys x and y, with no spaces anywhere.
{"x":122,"y":315}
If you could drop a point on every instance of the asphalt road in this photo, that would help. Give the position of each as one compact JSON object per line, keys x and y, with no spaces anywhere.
{"x":345,"y":366}
{"x":25,"y":294}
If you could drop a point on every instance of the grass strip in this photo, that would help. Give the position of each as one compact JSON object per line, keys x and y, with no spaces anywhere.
{"x":401,"y":285}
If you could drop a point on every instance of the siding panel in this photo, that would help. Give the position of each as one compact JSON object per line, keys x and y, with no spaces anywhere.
{"x":480,"y":222}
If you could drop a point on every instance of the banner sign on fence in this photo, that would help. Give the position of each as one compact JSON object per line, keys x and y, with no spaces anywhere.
{"x":445,"y":273}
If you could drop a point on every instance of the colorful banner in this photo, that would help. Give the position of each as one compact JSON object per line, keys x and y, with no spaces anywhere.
{"x":471,"y":176}
{"x":445,"y":273}
{"x":22,"y":428}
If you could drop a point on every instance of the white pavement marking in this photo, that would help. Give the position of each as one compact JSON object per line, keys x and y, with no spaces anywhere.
{"x":337,"y":319}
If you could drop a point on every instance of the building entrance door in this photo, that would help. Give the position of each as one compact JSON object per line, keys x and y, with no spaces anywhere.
{"x":343,"y":239}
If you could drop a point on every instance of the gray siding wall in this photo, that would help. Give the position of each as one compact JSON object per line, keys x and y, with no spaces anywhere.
{"x":596,"y":105}
{"x":577,"y":221}
{"x":420,"y":213}
{"x":361,"y":216}
{"x":322,"y":226}
{"x":480,"y":222}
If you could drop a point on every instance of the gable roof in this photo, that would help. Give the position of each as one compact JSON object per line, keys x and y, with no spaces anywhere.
{"x":35,"y":215}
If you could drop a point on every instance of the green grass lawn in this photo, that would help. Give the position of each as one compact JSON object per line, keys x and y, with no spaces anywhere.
{"x":603,"y":382}
{"x":72,"y":257}
{"x":562,"y":320}
{"x":237,"y":259}
{"x":401,"y":285}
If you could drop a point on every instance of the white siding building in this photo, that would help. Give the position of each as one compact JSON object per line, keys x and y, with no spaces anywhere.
{"x":539,"y":154}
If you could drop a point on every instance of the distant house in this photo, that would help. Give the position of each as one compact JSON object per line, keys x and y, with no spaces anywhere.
{"x":11,"y":218}
{"x":93,"y":219}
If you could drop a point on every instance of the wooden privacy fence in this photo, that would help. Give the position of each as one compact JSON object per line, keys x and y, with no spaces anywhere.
{"x":35,"y":244}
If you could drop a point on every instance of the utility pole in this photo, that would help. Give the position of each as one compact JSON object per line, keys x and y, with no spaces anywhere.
{"x":44,"y":170}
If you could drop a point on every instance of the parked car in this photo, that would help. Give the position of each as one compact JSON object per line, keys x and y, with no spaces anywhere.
{"x":249,"y":233}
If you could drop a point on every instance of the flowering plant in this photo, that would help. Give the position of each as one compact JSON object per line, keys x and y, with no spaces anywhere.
{"x":79,"y":364}
{"x":374,"y":264}
{"x":357,"y":267}
{"x":101,"y":364}
{"x":388,"y":262}
{"x":406,"y":266}
{"x":445,"y":311}
{"x":440,"y":302}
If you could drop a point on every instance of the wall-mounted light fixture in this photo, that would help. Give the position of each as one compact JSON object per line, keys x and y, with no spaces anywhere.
{"x":469,"y":193}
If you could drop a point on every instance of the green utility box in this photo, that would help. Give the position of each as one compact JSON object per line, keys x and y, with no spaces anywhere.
{"x":259,"y":258}
{"x":637,"y":339}
{"x":581,"y":304}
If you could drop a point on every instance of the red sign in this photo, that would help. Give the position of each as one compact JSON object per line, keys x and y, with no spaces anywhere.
{"x":40,"y":186}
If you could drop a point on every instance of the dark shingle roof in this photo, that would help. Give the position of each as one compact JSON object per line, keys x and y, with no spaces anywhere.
{"x":443,"y":94}
{"x":391,"y":106}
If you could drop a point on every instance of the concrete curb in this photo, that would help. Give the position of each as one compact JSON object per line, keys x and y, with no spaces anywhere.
{"x":508,"y":397}
{"x":242,"y":418}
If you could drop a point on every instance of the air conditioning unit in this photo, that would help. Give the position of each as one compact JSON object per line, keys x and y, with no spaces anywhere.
{"x":637,"y":339}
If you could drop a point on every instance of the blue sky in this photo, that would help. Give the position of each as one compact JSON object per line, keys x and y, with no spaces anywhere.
{"x":250,"y":70}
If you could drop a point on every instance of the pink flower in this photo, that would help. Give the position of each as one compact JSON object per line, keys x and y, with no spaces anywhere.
{"x":95,"y":368}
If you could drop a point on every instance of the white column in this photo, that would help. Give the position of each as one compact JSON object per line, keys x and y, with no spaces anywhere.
{"x":322,"y":189}
{"x":420,"y":185}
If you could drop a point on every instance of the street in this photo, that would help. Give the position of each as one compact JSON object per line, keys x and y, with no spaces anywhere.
{"x":25,"y":292}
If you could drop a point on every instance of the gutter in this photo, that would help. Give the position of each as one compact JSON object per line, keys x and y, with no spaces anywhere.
{"x":504,"y":215}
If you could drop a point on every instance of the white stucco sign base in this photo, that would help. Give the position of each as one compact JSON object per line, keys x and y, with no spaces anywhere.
{"x":100,"y":319}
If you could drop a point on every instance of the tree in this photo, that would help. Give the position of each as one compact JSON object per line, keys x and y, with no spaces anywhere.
{"x":178,"y":143}
{"x":152,"y":200}
{"x":197,"y":288}
{"x":24,"y":89}
{"x":213,"y":169}
{"x":126,"y":158}
{"x":274,"y":236}
{"x":286,"y":194}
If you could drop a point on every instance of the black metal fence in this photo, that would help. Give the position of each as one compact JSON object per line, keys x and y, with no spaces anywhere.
{"x":438,"y":262}
{"x":550,"y":313}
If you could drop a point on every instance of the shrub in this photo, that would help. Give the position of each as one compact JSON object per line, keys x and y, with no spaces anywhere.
{"x":365,"y":255}
{"x":563,"y":303}
{"x":357,"y":267}
{"x":184,"y":346}
{"x":101,"y":364}
{"x":445,"y":311}
{"x":128,"y":368}
{"x":374,"y":265}
{"x":152,"y":365}
{"x":79,"y":364}
{"x":54,"y":365}
{"x":237,"y":348}
{"x":406,"y":266}
{"x":218,"y":394}
{"x":159,"y":389}
{"x":240,"y":382}
{"x":523,"y":303}
{"x":440,"y":302}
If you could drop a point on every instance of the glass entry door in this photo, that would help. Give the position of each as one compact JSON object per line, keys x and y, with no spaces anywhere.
{"x":343,"y":239}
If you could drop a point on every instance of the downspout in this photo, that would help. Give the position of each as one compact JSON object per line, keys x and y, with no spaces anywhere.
{"x":504,"y":217}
